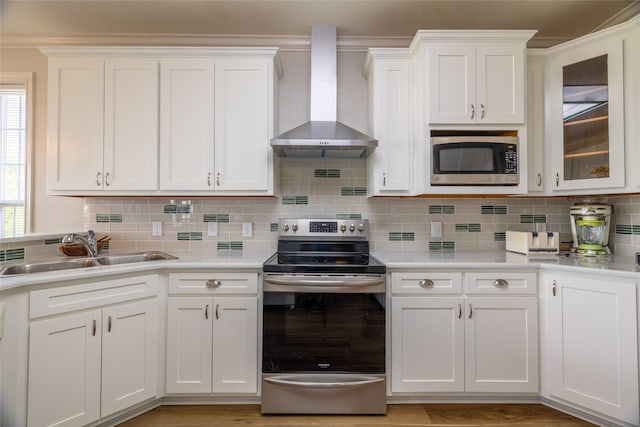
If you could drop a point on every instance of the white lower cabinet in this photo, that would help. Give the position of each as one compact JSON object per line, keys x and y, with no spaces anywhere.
{"x":460,"y":343}
{"x":88,"y":365}
{"x":212,"y":340}
{"x":592,"y":348}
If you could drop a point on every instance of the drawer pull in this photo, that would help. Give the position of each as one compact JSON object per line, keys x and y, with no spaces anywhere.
{"x":94,"y":327}
{"x":500,"y":283}
{"x":213,"y":283}
{"x":206,"y":312}
{"x":217,"y":314}
{"x":470,"y":311}
{"x":425,"y":283}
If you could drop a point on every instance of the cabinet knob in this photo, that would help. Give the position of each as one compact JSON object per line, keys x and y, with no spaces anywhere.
{"x":213,"y":283}
{"x":500,"y":283}
{"x":425,"y":283}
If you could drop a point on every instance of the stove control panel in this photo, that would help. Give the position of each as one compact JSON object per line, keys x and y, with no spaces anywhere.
{"x":319,"y":227}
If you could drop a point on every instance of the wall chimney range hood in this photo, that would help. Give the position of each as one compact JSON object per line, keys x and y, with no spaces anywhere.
{"x":323,"y":136}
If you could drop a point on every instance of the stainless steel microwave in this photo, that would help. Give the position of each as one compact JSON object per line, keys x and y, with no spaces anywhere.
{"x":474,"y":160}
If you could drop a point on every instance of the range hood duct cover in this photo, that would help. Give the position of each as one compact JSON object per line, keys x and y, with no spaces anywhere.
{"x":323,"y":136}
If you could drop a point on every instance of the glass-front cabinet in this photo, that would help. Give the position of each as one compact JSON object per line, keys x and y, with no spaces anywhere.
{"x":585,"y":102}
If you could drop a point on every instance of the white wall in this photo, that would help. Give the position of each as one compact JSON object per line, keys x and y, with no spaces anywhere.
{"x":49,"y":214}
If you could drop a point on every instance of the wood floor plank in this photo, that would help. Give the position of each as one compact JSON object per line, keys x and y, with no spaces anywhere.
{"x":417,"y":415}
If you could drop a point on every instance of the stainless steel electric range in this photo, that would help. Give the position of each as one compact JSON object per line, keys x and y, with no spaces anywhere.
{"x":323,"y":321}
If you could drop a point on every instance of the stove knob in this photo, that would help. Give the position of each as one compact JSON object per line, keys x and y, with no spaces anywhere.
{"x":285,"y":227}
{"x":360,"y":227}
{"x":343,"y":227}
{"x":352,"y":227}
{"x":294,"y":227}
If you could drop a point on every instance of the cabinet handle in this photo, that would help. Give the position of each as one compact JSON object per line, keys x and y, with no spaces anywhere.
{"x":470,"y":311}
{"x":98,"y":179}
{"x":553,"y":288}
{"x":213,"y":283}
{"x":209,"y":179}
{"x":557,"y":179}
{"x":473,"y":111}
{"x":500,"y":283}
{"x":481,"y":111}
{"x":426,"y":283}
{"x":459,"y":311}
{"x":109,"y":324}
{"x":106,"y":179}
{"x":218,"y":179}
{"x":384,"y":179}
{"x":217,"y":314}
{"x":206,"y":312}
{"x":94,"y":327}
{"x":539,"y":179}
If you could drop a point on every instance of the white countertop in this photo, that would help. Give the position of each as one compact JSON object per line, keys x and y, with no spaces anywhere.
{"x":394,"y":260}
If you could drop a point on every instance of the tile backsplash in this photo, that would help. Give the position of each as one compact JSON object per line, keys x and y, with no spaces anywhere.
{"x":334,"y":189}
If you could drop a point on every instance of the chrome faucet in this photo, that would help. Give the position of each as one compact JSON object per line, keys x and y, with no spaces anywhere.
{"x":89,"y":242}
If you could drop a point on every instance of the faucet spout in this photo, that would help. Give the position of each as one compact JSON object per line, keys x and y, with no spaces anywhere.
{"x":89,"y":242}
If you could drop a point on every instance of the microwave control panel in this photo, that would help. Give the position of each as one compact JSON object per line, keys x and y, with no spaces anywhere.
{"x":511,"y":160}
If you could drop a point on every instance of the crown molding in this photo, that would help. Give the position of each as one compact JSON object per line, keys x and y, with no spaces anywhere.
{"x":283,"y":43}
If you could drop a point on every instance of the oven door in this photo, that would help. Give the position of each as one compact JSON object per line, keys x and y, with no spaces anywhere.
{"x":323,"y":351}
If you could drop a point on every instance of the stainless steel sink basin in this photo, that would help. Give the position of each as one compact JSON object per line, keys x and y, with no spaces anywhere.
{"x":71,"y":263}
{"x":40,"y":267}
{"x":134,"y":257}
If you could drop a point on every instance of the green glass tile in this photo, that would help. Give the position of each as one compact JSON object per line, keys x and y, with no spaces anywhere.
{"x":409,"y":237}
{"x":220,"y":218}
{"x":355,"y":216}
{"x":442,"y":246}
{"x":320,"y":173}
{"x":500,"y":210}
{"x":170,"y":209}
{"x":3,"y":255}
{"x":360,"y":191}
{"x":435,"y":246}
{"x":487,"y":210}
{"x":115,"y":218}
{"x":448,"y":209}
{"x":395,"y":236}
{"x":53,"y":241}
{"x":435,"y":209}
{"x":475,"y":228}
{"x":624,"y":229}
{"x":195,"y":235}
{"x":14,"y":254}
{"x":183,"y":209}
{"x":288,"y":200}
{"x":346,"y":191}
{"x":526,"y":219}
{"x":302,"y":200}
{"x":183,"y":236}
{"x":342,"y":216}
{"x":236,"y":246}
{"x":448,"y":246}
{"x":223,"y":245}
{"x":636,"y":230}
{"x":102,"y":218}
{"x":462,"y":227}
{"x":499,"y":237}
{"x":333,"y":173}
{"x":273,"y":227}
{"x":540,"y":219}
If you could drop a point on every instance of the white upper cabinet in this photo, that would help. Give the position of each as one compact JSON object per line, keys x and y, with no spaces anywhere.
{"x":390,"y":165}
{"x":476,"y":82}
{"x":585,"y":121}
{"x":160,"y":121}
{"x":102,"y":124}
{"x":535,"y":121}
{"x":186,"y":124}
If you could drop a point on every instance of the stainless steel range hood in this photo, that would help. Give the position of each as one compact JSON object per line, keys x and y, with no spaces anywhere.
{"x":323,"y":136}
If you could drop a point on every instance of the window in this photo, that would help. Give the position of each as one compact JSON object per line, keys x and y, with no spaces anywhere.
{"x":14,"y":135}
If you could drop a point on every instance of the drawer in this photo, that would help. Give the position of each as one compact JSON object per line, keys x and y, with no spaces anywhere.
{"x":213,"y":283}
{"x":501,"y":283}
{"x":426,"y":283}
{"x":63,"y":299}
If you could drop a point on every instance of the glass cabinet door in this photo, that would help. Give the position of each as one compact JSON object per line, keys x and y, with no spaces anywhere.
{"x":587,"y":138}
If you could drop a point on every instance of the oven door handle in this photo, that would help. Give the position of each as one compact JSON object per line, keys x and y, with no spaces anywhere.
{"x":294,"y":281}
{"x":358,"y":381}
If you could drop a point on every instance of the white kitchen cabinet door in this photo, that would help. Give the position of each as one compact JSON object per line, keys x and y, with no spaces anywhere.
{"x":235,"y":345}
{"x":391,"y":162}
{"x":131,"y":125}
{"x":189,"y":345}
{"x":64,"y":370}
{"x":593,"y":350}
{"x":75,"y":123}
{"x":535,"y":122}
{"x":243,"y":112}
{"x":186,"y":124}
{"x":501,"y":344}
{"x":481,"y":83}
{"x":427,"y":345}
{"x":452,"y":84}
{"x":129,"y":355}
{"x":500,"y":87}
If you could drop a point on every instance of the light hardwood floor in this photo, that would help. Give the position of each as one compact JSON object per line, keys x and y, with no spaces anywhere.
{"x":430,"y":415}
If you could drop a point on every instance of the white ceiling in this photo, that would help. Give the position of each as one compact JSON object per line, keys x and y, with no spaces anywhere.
{"x":372,"y":23}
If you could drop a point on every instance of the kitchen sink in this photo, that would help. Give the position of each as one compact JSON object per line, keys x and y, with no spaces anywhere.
{"x":71,"y":263}
{"x":133,"y":257}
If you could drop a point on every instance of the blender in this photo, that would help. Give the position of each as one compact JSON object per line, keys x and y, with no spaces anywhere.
{"x":590,"y":229}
